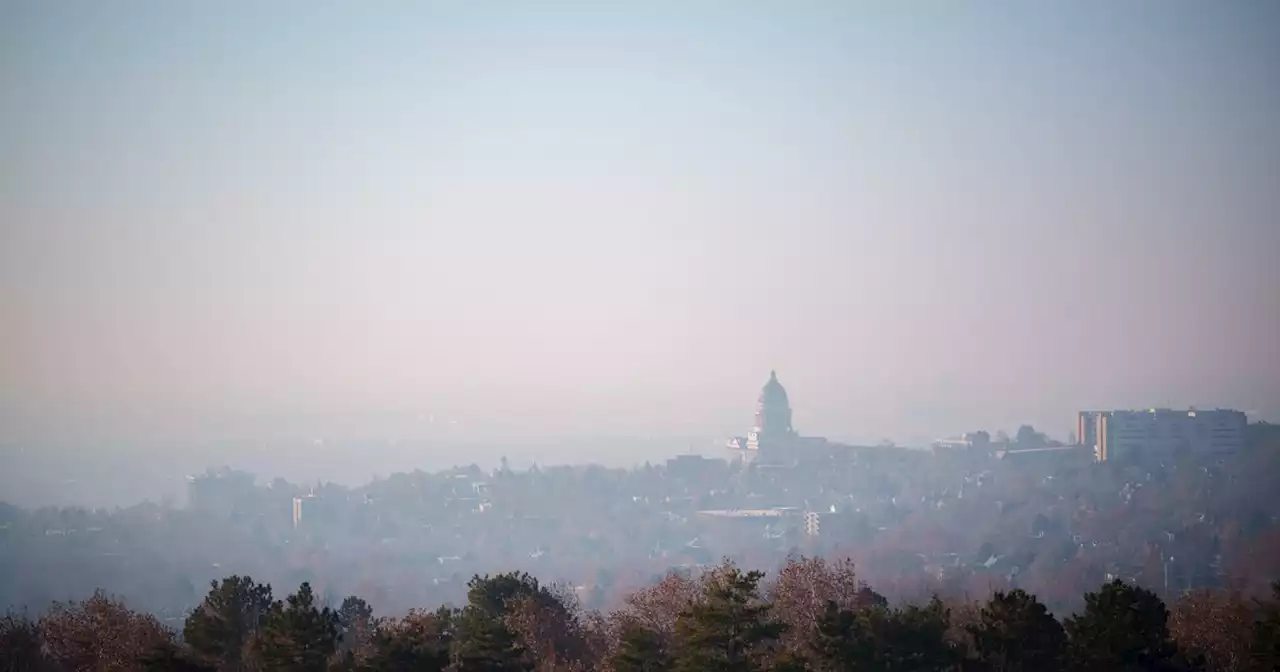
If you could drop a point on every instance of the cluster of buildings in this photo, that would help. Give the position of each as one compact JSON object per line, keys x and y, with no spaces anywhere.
{"x":1126,"y":435}
{"x":1149,"y":436}
{"x":988,"y":511}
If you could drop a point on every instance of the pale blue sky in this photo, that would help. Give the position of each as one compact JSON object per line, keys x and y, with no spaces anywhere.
{"x":224,"y":218}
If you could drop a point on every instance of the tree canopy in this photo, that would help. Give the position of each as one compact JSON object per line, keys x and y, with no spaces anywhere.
{"x":722,"y":619}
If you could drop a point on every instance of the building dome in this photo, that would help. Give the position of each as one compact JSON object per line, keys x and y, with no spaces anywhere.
{"x":773,"y":412}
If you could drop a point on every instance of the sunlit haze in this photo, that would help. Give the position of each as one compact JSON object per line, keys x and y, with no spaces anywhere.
{"x":524,"y":223}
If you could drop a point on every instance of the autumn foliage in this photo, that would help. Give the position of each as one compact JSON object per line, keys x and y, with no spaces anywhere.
{"x":814,"y":614}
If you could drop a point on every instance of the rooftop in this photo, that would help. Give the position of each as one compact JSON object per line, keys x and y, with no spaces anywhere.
{"x":775,"y":512}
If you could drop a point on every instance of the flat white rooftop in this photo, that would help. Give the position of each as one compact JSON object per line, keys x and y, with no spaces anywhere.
{"x":775,"y":512}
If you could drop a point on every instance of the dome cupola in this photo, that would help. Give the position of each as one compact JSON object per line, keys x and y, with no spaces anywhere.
{"x":773,"y":412}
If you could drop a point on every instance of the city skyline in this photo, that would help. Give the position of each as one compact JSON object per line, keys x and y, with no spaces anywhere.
{"x":595,"y":336}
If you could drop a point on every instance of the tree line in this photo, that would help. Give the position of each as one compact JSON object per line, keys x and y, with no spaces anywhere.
{"x":814,"y":615}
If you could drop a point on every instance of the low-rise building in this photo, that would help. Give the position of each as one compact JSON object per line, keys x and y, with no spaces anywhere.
{"x":979,"y":441}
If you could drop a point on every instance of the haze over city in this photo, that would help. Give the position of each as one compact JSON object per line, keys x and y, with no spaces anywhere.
{"x":536,"y":225}
{"x":639,"y":336}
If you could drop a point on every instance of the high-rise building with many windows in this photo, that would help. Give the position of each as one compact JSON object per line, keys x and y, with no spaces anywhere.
{"x":1161,"y":433}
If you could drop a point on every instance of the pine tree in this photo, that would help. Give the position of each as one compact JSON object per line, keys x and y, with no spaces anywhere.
{"x":297,"y":636}
{"x":729,"y":630}
{"x":230,"y":615}
{"x":915,"y":637}
{"x":842,"y":641}
{"x":482,"y":639}
{"x":877,"y":638}
{"x":1016,"y":632}
{"x":484,"y":644}
{"x":20,"y":645}
{"x":641,"y":650}
{"x":1122,"y":628}
{"x":355,"y":628}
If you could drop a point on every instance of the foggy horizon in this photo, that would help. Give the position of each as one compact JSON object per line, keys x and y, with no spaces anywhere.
{"x":275,"y":224}
{"x":623,"y":336}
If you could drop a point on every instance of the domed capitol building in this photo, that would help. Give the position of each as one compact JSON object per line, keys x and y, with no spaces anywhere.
{"x":772,"y":439}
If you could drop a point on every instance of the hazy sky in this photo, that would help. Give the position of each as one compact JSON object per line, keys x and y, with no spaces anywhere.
{"x":306,"y":218}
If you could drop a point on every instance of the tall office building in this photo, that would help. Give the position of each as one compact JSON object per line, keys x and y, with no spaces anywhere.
{"x":1161,"y":433}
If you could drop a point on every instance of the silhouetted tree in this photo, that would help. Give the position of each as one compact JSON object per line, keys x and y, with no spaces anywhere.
{"x":842,"y":641}
{"x":355,"y":628}
{"x":298,"y":636}
{"x":220,"y":628}
{"x":729,"y":629}
{"x":915,"y":637}
{"x":1015,"y":632}
{"x":20,"y":647}
{"x":641,"y":650}
{"x":547,"y":626}
{"x":1123,"y":627}
{"x":419,"y":642}
{"x":1028,"y":437}
{"x":484,"y":643}
{"x":482,"y":640}
{"x":877,"y":638}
